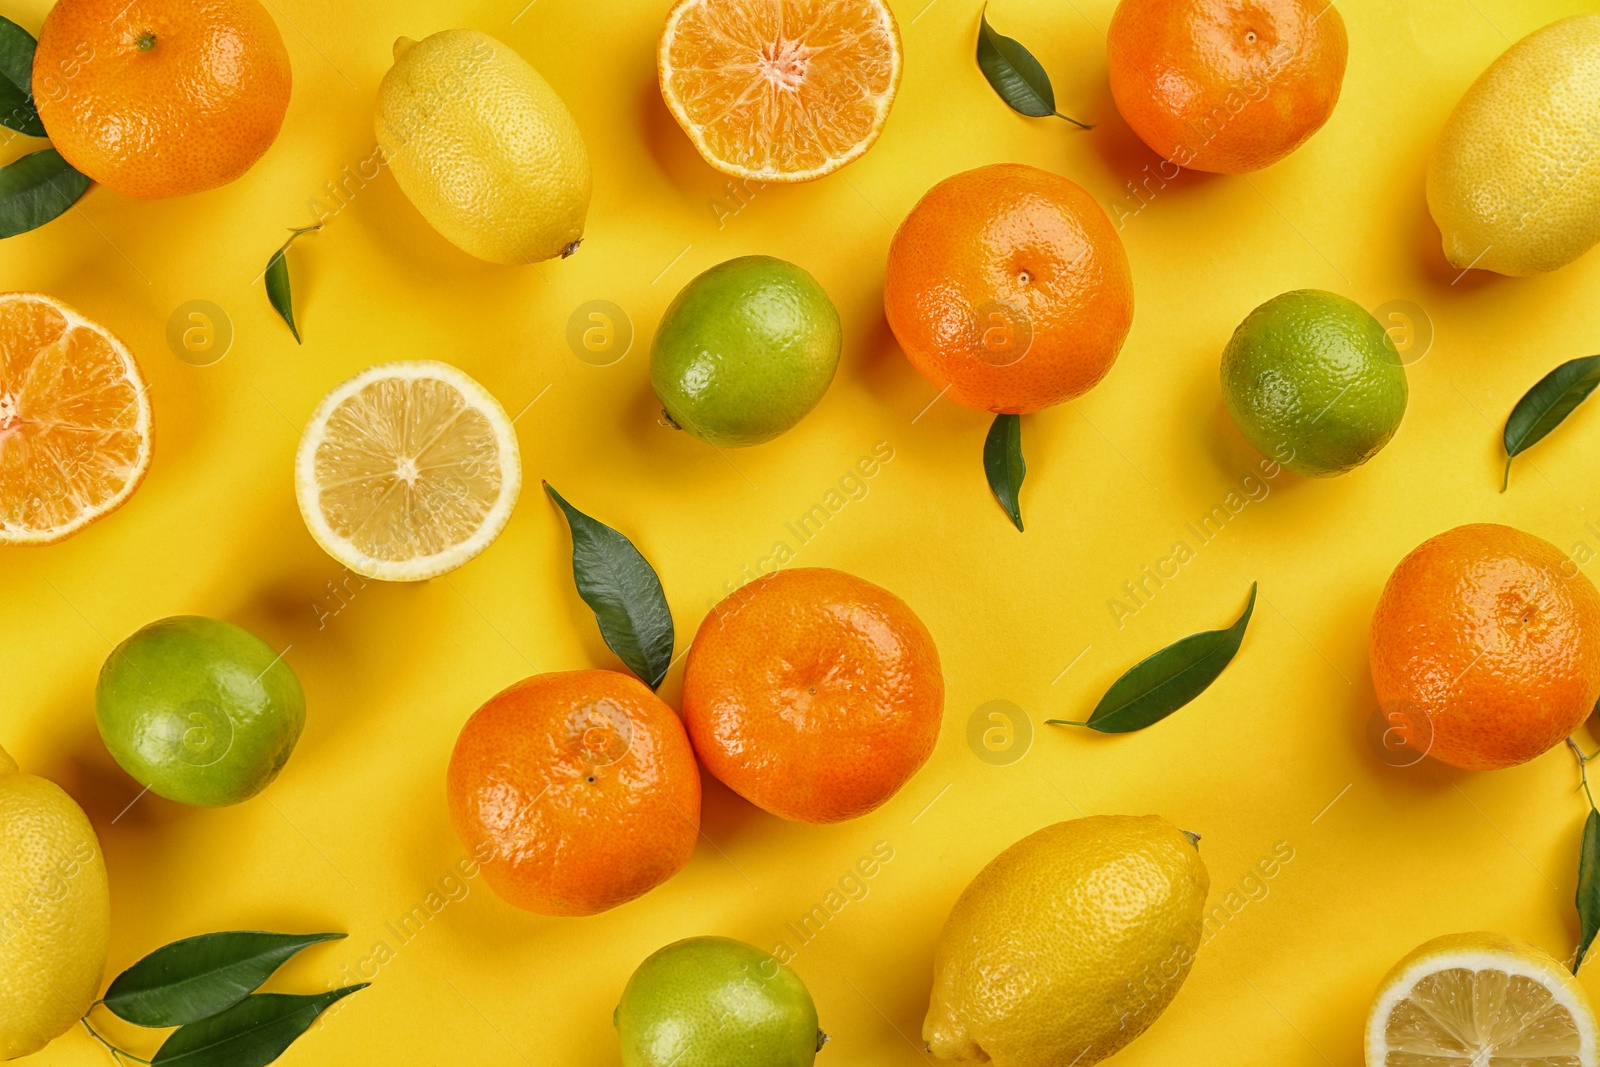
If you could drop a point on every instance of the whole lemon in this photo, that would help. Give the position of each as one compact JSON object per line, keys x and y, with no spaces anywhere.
{"x":55,"y":912}
{"x":1068,"y":945}
{"x":1514,"y":182}
{"x":484,"y":147}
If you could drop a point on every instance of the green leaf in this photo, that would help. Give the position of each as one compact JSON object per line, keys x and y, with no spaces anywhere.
{"x":1016,"y":75}
{"x":625,"y":593}
{"x":17,"y":111}
{"x":252,"y":1033}
{"x":1160,"y":684}
{"x":198,"y":977}
{"x":277,"y":278}
{"x":1544,"y":406}
{"x":35,"y":189}
{"x":1588,"y":887}
{"x":1002,"y":462}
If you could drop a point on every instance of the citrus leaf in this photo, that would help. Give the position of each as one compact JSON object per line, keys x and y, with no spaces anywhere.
{"x":1002,"y":462}
{"x":1014,"y":74}
{"x":35,"y":189}
{"x":198,"y":977}
{"x":624,"y":592}
{"x":277,"y":279}
{"x":17,"y":110}
{"x":1588,"y":887}
{"x":1543,"y":407}
{"x":252,"y":1033}
{"x":1160,"y":684}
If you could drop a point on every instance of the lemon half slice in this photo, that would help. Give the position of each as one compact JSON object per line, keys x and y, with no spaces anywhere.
{"x":1480,"y":1000}
{"x":407,"y":471}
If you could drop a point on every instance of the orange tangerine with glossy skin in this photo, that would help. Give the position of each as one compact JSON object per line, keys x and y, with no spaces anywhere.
{"x":1226,"y":85}
{"x":813,"y":694}
{"x":157,"y":98}
{"x":1009,"y":289}
{"x":1485,"y":647}
{"x":576,"y":791}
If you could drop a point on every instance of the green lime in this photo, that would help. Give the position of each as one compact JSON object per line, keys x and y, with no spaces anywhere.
{"x":745,"y":351}
{"x":1314,"y":382}
{"x":716,"y":1002}
{"x":199,"y":711}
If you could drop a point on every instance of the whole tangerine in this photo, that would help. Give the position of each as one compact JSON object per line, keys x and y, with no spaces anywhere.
{"x":1227,"y":86}
{"x":1485,"y":647}
{"x":1008,"y":288}
{"x":813,"y":694}
{"x":157,"y":98}
{"x":580,"y":788}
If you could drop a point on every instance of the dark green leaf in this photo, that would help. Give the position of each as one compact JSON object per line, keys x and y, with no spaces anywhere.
{"x":1002,"y":462}
{"x":35,"y":189}
{"x":252,"y":1033}
{"x":197,"y":977}
{"x":1588,"y":887}
{"x":1544,"y":406}
{"x":625,"y":593}
{"x":1159,"y":685}
{"x":1015,"y":74}
{"x":16,"y":80}
{"x":277,"y":278}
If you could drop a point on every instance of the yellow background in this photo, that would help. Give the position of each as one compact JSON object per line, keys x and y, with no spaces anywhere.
{"x":354,"y":835}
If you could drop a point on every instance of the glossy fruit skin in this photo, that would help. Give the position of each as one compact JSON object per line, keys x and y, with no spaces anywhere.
{"x":1224,"y":85}
{"x":1509,"y":182}
{"x":55,"y":912}
{"x":1487,"y":640}
{"x":745,"y":351}
{"x":716,"y":1002}
{"x":580,"y":788}
{"x":813,"y":694}
{"x":199,"y":710}
{"x":484,"y":148}
{"x":1313,"y":382}
{"x":1009,"y":289}
{"x":158,"y":98}
{"x":1068,"y":945}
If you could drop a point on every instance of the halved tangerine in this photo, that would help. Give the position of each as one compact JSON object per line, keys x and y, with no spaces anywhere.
{"x":74,"y":421}
{"x":780,"y":90}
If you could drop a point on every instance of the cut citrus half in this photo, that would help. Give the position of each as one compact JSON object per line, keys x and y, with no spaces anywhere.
{"x":74,"y":421}
{"x":1480,"y":1000}
{"x":780,"y":90}
{"x":407,"y":471}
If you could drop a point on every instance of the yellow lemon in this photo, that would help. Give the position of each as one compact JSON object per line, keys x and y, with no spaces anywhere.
{"x":55,"y":912}
{"x":1068,"y":945}
{"x":1480,"y":998}
{"x":1514,"y":182}
{"x":484,"y":147}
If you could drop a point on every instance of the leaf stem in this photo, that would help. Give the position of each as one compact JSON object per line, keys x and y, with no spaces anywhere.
{"x":1583,"y":770}
{"x":1075,"y":122}
{"x":1505,"y":481}
{"x":1064,"y":722}
{"x":293,"y":234}
{"x":117,"y":1054}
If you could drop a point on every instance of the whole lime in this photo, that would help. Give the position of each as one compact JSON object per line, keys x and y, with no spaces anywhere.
{"x":1314,"y":382}
{"x":745,"y":351}
{"x":198,"y":710}
{"x":716,"y":1002}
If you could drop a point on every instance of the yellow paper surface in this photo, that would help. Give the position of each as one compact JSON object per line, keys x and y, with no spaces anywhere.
{"x":1272,"y":761}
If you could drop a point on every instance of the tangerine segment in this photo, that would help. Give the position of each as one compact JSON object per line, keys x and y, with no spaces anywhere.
{"x":780,"y":90}
{"x":1487,"y":639}
{"x":74,"y":421}
{"x":407,"y":471}
{"x":576,"y":791}
{"x":813,"y":694}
